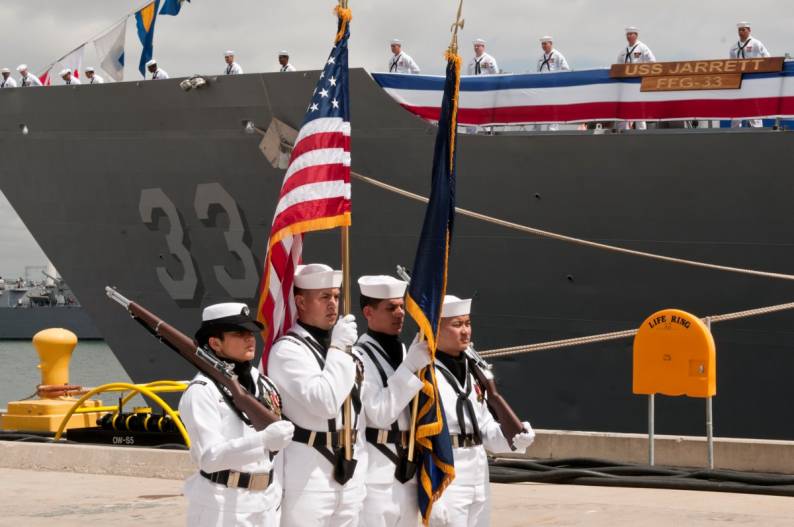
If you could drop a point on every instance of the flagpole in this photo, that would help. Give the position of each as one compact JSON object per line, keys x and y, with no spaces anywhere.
{"x":347,"y":412}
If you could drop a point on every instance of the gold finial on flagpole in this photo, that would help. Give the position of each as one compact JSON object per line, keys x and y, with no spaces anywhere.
{"x":458,"y":24}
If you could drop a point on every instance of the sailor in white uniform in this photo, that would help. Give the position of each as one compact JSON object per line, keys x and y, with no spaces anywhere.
{"x":92,"y":77}
{"x":236,"y":484}
{"x":232,"y":68}
{"x":401,"y":62}
{"x":635,"y":52}
{"x":68,"y":79}
{"x":466,"y":502}
{"x":283,"y":60}
{"x":25,"y":78}
{"x":550,"y":60}
{"x":482,"y":63}
{"x":158,"y":73}
{"x":315,"y":371}
{"x":7,"y":81}
{"x":390,"y":384}
{"x":747,"y":47}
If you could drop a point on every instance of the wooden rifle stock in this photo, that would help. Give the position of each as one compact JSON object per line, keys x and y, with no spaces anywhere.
{"x":206,"y":362}
{"x":499,"y":407}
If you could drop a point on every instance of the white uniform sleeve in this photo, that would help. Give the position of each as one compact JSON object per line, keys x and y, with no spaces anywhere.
{"x":492,"y":437}
{"x":621,"y":57}
{"x":383,"y":406}
{"x":494,"y":66}
{"x":34,"y":80}
{"x":763,"y":52}
{"x":199,"y":410}
{"x":470,"y":68}
{"x":647,"y":54}
{"x":733,"y":53}
{"x":321,"y":393}
{"x":563,"y":63}
{"x":413,"y":67}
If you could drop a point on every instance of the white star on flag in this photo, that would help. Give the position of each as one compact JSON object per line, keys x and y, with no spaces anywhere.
{"x":323,"y":93}
{"x":331,"y":60}
{"x":335,"y":103}
{"x":332,"y":81}
{"x":314,"y":107}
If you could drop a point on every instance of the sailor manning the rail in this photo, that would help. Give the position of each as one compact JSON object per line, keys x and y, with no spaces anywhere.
{"x":466,"y":502}
{"x":239,"y":479}
{"x":550,"y":60}
{"x":315,"y":371}
{"x":283,"y":60}
{"x":482,"y":63}
{"x":92,"y":77}
{"x":401,"y":62}
{"x":232,"y":68}
{"x":25,"y":78}
{"x":747,"y":47}
{"x":157,"y":72}
{"x":7,"y":81}
{"x":390,"y":383}
{"x":635,"y":52}
{"x":66,"y":75}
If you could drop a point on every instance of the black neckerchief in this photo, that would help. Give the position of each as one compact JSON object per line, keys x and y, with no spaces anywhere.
{"x":391,"y":345}
{"x":629,"y":59}
{"x":322,"y":336}
{"x":740,"y":53}
{"x":456,"y":365}
{"x":243,"y":372}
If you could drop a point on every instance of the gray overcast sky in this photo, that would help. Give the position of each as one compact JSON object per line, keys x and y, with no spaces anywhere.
{"x":588,"y":32}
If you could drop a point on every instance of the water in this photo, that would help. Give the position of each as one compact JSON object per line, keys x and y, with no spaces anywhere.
{"x":93,"y":364}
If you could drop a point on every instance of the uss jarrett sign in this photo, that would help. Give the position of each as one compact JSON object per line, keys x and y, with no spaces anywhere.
{"x":695,"y":74}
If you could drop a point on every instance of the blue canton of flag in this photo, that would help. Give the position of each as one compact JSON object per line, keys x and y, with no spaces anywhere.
{"x":331,"y":95}
{"x":172,"y":7}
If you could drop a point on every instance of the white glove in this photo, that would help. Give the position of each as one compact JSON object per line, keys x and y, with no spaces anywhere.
{"x":345,"y":333}
{"x":522,"y":440}
{"x":418,"y":355}
{"x":277,"y":435}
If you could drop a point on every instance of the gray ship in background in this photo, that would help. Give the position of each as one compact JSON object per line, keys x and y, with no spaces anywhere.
{"x":28,"y":305}
{"x":167,"y":195}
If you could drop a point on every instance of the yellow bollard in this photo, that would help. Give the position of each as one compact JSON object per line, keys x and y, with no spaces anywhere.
{"x":55,"y":347}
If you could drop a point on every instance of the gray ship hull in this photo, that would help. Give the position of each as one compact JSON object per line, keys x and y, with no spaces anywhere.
{"x":23,"y":324}
{"x":161,"y":193}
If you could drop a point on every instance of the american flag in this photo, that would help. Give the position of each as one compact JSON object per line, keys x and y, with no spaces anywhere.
{"x":315,"y":194}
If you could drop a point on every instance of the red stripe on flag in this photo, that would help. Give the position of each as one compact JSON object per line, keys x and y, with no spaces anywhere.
{"x":315,"y":209}
{"x":315,"y":174}
{"x":321,"y":140}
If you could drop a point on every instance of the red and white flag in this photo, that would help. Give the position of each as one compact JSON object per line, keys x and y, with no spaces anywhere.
{"x":315,"y":193}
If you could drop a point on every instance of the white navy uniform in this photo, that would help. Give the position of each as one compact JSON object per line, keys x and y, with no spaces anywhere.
{"x":29,"y":80}
{"x":639,"y":53}
{"x":73,"y":80}
{"x":752,"y":48}
{"x":96,"y":79}
{"x":386,"y":394}
{"x":554,"y":61}
{"x":8,"y":83}
{"x":402,"y":63}
{"x":221,"y":441}
{"x":288,"y":67}
{"x":485,"y":64}
{"x":159,"y":74}
{"x":466,"y":502}
{"x":233,"y":69}
{"x":312,"y":398}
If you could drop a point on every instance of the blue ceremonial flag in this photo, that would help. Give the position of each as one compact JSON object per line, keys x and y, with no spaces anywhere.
{"x":145,"y":19}
{"x":172,"y":7}
{"x":426,"y":296}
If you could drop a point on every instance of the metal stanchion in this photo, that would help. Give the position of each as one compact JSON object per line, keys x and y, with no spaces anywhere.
{"x":651,"y":430}
{"x":709,"y":419}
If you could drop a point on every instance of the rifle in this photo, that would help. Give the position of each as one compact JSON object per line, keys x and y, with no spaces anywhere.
{"x":221,"y":372}
{"x":498,"y":406}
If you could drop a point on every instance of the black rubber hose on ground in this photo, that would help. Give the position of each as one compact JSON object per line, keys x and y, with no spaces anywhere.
{"x":586,"y":471}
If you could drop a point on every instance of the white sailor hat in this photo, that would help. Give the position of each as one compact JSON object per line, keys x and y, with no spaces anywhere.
{"x":228,"y":316}
{"x":283,"y":53}
{"x":152,"y":62}
{"x":65,"y":71}
{"x":479,"y":41}
{"x":742,"y":24}
{"x":455,"y":307}
{"x":89,"y":69}
{"x":382,"y":287}
{"x":632,"y":29}
{"x":546,"y":38}
{"x":317,"y":276}
{"x":5,"y":70}
{"x":229,"y":53}
{"x":396,"y":41}
{"x":22,"y":67}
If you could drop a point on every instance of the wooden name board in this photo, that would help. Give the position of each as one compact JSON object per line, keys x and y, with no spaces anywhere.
{"x":695,"y":74}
